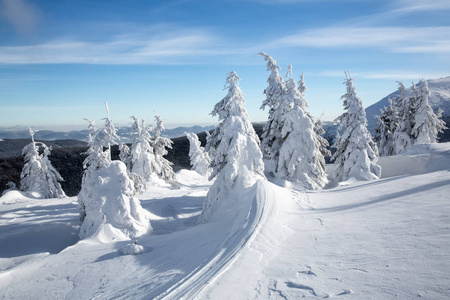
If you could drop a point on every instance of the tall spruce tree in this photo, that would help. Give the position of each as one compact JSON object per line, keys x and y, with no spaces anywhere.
{"x":356,"y":154}
{"x":238,"y":155}
{"x":300,"y":160}
{"x":38,"y":175}
{"x":427,"y":124}
{"x":142,"y":155}
{"x":384,"y":130}
{"x":163,"y":167}
{"x":404,"y":110}
{"x":271,"y":137}
{"x":200,"y":160}
{"x":318,"y":127}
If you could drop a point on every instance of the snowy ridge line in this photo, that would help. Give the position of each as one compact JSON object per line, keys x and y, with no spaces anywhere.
{"x":194,"y":283}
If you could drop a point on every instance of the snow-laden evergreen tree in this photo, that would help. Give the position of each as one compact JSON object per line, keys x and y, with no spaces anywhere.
{"x":356,"y":154}
{"x":271,"y":137}
{"x":38,"y":176}
{"x":32,"y":177}
{"x":238,"y":155}
{"x":143,"y":161}
{"x":302,"y":89}
{"x":52,"y":176}
{"x":384,"y":130}
{"x":318,"y":127}
{"x":124,"y":155}
{"x":404,"y":111}
{"x":200,"y":160}
{"x":163,"y":167}
{"x":427,"y":124}
{"x":110,"y":133}
{"x":300,"y":160}
{"x":109,"y":209}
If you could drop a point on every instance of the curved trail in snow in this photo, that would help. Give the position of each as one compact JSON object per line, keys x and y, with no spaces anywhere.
{"x":226,"y":252}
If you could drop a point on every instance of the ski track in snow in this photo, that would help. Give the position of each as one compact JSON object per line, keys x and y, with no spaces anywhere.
{"x":384,"y":239}
{"x":191,"y":285}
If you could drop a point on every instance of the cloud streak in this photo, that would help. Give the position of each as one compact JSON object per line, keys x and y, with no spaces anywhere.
{"x":174,"y":47}
{"x":387,"y":75}
{"x":393,"y":39}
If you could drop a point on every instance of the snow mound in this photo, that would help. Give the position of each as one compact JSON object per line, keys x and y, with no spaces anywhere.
{"x":190,"y":177}
{"x":419,"y":159}
{"x":132,"y":249}
{"x":13,"y":196}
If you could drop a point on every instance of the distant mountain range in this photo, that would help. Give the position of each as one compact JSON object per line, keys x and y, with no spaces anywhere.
{"x":439,"y":98}
{"x":19,"y":132}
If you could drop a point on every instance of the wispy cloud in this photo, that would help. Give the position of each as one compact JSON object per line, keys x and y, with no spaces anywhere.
{"x":409,"y":6}
{"x":171,"y":47}
{"x":277,"y":2}
{"x":20,"y":14}
{"x":394,"y":39}
{"x":387,"y":75}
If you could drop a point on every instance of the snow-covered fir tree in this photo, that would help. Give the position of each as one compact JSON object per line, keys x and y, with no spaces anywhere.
{"x":356,"y":154}
{"x":200,"y":160}
{"x":210,"y":151}
{"x":163,"y":167}
{"x":427,"y":124}
{"x":109,"y":209}
{"x":238,"y":155}
{"x":52,"y":176}
{"x":38,"y":176}
{"x":110,"y":133}
{"x":302,"y":89}
{"x":318,"y":126}
{"x":384,"y":130}
{"x":271,"y":139}
{"x":124,"y":155}
{"x":142,"y":157}
{"x":318,"y":129}
{"x":300,"y":159}
{"x":404,"y":111}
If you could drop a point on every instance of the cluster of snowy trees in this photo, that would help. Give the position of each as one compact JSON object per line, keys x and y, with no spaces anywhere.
{"x":292,"y":151}
{"x":292,"y":147}
{"x":145,"y":158}
{"x":292,"y":144}
{"x":39,"y":178}
{"x":107,"y":200}
{"x":408,"y":120}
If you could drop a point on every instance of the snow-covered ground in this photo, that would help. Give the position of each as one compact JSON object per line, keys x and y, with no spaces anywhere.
{"x":381,"y":239}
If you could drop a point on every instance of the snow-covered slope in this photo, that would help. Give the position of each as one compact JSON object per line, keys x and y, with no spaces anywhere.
{"x":382,"y":239}
{"x":439,"y":98}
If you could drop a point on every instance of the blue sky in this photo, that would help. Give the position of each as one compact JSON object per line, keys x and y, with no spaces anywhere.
{"x":61,"y":60}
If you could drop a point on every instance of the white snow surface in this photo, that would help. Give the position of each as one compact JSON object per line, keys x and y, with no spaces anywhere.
{"x":382,"y":239}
